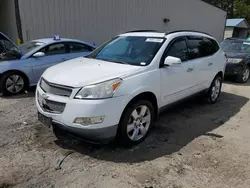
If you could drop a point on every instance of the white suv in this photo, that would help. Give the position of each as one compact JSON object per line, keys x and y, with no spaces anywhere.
{"x":120,"y":88}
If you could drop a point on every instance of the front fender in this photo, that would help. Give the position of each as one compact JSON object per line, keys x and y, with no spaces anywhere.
{"x":141,"y":83}
{"x":17,"y":65}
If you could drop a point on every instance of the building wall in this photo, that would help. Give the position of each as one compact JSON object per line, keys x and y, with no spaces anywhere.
{"x":228,"y":32}
{"x":8,"y":19}
{"x":98,"y":20}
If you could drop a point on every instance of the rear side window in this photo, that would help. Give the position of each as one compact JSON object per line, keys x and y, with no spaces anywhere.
{"x":201,"y":47}
{"x":78,"y":47}
{"x":179,"y":49}
{"x":195,"y":47}
{"x":210,"y":47}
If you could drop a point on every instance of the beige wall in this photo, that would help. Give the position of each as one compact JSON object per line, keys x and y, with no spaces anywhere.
{"x":98,"y":20}
{"x":8,"y":19}
{"x":228,"y":32}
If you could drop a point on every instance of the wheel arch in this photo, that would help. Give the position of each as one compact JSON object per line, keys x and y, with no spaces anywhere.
{"x":220,"y":73}
{"x":147,"y":95}
{"x":18,"y":71}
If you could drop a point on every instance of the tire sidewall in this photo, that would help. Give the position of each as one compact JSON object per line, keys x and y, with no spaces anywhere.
{"x":3,"y":80}
{"x":122,"y":129}
{"x":210,"y":90}
{"x":240,"y":77}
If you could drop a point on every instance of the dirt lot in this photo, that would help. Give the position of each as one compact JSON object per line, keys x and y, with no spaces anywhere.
{"x":192,"y":146}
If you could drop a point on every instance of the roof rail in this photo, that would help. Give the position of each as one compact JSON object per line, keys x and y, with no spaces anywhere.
{"x":171,"y":32}
{"x":135,"y":31}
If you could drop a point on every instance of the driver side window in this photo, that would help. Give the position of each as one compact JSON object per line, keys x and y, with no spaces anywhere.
{"x":54,"y":49}
{"x":179,"y":49}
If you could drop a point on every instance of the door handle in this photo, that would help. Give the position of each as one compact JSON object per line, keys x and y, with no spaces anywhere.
{"x":190,"y":69}
{"x":210,"y":64}
{"x":64,"y":59}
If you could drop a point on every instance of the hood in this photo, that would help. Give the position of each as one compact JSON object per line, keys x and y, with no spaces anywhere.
{"x":236,"y":55}
{"x":4,"y":37}
{"x":81,"y":71}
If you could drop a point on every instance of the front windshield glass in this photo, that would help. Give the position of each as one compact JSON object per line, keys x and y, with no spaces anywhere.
{"x":8,"y":51}
{"x":236,"y":46}
{"x":133,"y":50}
{"x":30,"y":46}
{"x":6,"y":46}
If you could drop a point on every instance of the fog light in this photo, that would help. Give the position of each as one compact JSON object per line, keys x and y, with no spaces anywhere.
{"x":89,"y":120}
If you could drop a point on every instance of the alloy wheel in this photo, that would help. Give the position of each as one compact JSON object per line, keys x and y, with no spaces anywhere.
{"x":139,"y":122}
{"x":216,"y":89}
{"x":245,"y":75}
{"x":14,"y":84}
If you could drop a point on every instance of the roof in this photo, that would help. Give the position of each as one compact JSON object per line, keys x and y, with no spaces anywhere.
{"x":51,"y":40}
{"x":237,"y":22}
{"x":157,"y":34}
{"x":144,"y":34}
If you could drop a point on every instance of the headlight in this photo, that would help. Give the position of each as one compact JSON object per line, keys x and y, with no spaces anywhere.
{"x":101,"y":90}
{"x":234,"y":60}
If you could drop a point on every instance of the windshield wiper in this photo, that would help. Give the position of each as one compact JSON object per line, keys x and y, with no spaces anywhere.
{"x":122,"y":62}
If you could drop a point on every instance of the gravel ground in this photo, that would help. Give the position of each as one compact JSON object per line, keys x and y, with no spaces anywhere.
{"x":193,"y":145}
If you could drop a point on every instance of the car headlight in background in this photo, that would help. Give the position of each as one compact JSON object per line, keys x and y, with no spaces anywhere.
{"x":101,"y":90}
{"x":234,"y":60}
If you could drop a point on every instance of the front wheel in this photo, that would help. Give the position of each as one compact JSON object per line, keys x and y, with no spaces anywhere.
{"x":244,"y":76}
{"x":214,"y":90}
{"x":12,"y":83}
{"x":136,"y":123}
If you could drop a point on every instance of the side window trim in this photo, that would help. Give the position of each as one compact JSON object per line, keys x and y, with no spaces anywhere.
{"x":169,"y":46}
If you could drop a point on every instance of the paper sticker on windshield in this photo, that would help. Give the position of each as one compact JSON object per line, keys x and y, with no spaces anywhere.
{"x":154,"y":40}
{"x":246,"y":43}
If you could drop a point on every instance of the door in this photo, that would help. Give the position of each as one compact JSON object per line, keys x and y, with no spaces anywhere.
{"x":177,"y":81}
{"x":201,"y":50}
{"x":196,"y":56}
{"x":54,"y":54}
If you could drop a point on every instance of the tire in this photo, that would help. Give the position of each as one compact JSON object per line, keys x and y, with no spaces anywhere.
{"x":244,"y":76}
{"x":134,"y":136}
{"x":214,"y":91}
{"x":9,"y":78}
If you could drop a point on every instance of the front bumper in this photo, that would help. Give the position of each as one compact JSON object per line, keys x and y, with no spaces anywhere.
{"x":233,"y":69}
{"x":103,"y":132}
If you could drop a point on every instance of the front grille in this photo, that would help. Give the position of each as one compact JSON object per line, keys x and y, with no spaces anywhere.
{"x":55,"y":89}
{"x":50,"y":106}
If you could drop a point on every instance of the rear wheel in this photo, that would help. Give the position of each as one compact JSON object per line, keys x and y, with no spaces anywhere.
{"x":135,"y":123}
{"x":12,"y":83}
{"x":244,"y":76}
{"x":214,"y":90}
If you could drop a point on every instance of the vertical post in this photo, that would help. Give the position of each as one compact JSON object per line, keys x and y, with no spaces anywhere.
{"x":18,"y":22}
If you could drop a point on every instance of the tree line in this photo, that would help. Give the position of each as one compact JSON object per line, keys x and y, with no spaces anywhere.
{"x":234,"y":8}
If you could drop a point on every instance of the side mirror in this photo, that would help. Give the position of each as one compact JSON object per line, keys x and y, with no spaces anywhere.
{"x":39,"y":54}
{"x":171,"y":61}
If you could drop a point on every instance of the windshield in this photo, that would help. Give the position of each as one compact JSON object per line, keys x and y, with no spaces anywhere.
{"x":236,"y":46}
{"x":30,"y":46}
{"x":132,"y":50}
{"x":8,"y":51}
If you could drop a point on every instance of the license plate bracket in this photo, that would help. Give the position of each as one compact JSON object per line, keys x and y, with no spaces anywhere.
{"x":47,"y":121}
